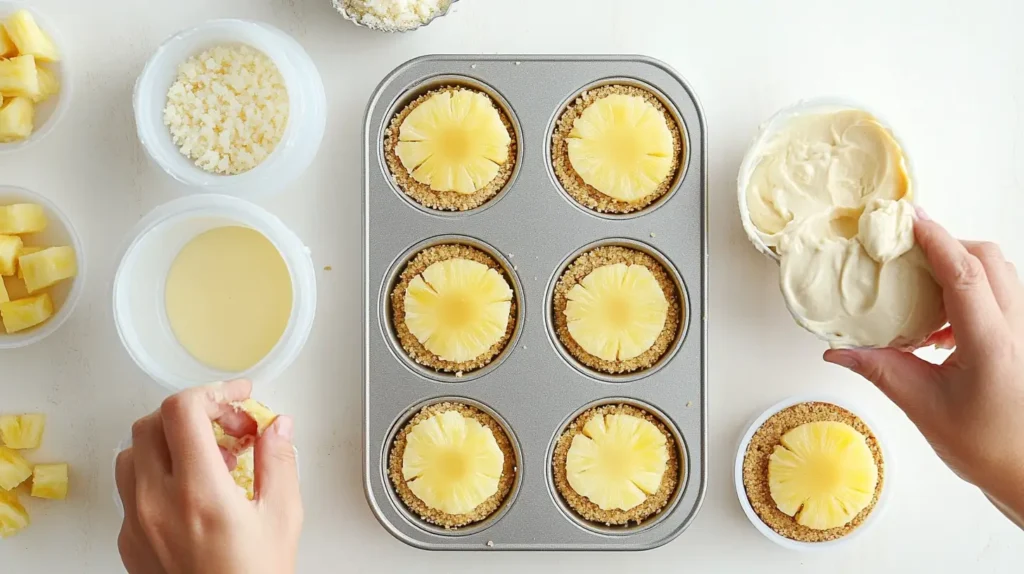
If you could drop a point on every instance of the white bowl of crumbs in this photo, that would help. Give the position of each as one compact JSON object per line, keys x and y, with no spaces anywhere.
{"x":232,"y":107}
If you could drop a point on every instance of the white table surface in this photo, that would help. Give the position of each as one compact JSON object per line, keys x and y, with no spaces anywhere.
{"x":949,"y":77}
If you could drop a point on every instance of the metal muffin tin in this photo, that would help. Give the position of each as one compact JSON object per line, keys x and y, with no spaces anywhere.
{"x":534,"y":229}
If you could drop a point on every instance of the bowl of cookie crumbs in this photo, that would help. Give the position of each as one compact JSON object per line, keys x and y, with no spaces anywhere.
{"x":393,"y":15}
{"x":231,"y":106}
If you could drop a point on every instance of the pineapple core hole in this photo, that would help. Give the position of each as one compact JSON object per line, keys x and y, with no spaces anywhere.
{"x":456,"y":144}
{"x":452,"y":465}
{"x":619,"y":312}
{"x":458,"y":310}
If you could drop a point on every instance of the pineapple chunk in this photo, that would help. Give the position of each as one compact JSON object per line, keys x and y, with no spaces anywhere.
{"x":47,"y":267}
{"x":19,"y":77}
{"x":26,"y":313}
{"x":7,"y":48}
{"x":22,"y":431}
{"x":50,"y":481}
{"x":4,"y":295}
{"x":49,"y":85}
{"x":29,"y":39}
{"x":13,"y":517}
{"x":26,"y":250}
{"x":13,"y":469}
{"x":458,"y":309}
{"x":17,"y":119}
{"x":258,"y":412}
{"x":22,"y":218}
{"x":452,"y":462}
{"x":10,"y":246}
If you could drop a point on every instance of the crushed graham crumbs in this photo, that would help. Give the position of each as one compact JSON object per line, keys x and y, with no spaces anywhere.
{"x":412,"y":346}
{"x":485,"y":508}
{"x":445,"y":200}
{"x":582,"y":505}
{"x":584,"y":193}
{"x":609,"y":255}
{"x":759,"y":452}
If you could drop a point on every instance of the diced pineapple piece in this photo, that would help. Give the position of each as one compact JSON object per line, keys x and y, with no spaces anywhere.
{"x":13,"y":517}
{"x":26,"y":313}
{"x":19,"y":77}
{"x":7,"y":48}
{"x":22,"y":431}
{"x":50,"y":481}
{"x":257,"y":411}
{"x":17,"y":119}
{"x":47,"y":267}
{"x":29,"y":39}
{"x":22,"y":218}
{"x":26,"y":250}
{"x":49,"y":85}
{"x":13,"y":469}
{"x":10,"y":246}
{"x":4,"y":295}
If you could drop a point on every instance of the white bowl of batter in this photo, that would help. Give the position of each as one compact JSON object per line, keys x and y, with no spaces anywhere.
{"x":214,"y":288}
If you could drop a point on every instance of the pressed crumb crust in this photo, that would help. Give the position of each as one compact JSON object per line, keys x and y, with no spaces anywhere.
{"x":416,"y":351}
{"x":759,"y":452}
{"x":445,"y":200}
{"x":654,"y":503}
{"x":587,"y":195}
{"x":609,"y":255}
{"x":485,"y":508}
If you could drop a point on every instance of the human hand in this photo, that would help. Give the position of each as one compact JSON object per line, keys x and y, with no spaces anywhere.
{"x":971,"y":407}
{"x":183,"y":512}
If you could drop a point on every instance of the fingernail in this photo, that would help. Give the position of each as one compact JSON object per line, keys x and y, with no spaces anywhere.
{"x":284,"y":427}
{"x":842,"y":359}
{"x":921,"y":213}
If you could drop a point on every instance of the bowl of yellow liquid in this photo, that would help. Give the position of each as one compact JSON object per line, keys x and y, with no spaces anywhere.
{"x":214,"y":288}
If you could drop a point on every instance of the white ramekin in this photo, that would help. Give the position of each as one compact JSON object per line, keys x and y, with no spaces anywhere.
{"x":307,"y":117}
{"x":50,"y":112}
{"x":138,"y":296}
{"x":872,"y":518}
{"x":65,"y":294}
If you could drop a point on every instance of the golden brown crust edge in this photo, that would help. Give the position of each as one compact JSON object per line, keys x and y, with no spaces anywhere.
{"x":487,"y":507}
{"x":758,"y":454}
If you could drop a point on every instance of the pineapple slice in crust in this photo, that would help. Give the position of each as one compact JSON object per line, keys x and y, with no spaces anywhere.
{"x":464,"y":350}
{"x":822,"y":474}
{"x":443,"y":433}
{"x":657,"y":469}
{"x":571,"y":305}
{"x":488,"y":153}
{"x":757,"y":461}
{"x":613,"y":186}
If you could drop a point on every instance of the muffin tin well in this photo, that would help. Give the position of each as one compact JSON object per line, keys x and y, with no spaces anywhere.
{"x":534,"y":230}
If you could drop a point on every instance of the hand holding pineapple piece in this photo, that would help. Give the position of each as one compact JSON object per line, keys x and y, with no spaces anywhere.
{"x":39,"y":267}
{"x":24,"y":81}
{"x":49,"y":481}
{"x":243,"y":447}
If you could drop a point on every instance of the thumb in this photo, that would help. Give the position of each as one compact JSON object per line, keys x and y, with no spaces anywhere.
{"x":908,"y":380}
{"x":277,"y":475}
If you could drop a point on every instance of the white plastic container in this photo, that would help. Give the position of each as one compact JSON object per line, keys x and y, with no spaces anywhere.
{"x":307,"y":117}
{"x":825,"y":104}
{"x":65,"y":294}
{"x":872,"y":518}
{"x":139,"y":312}
{"x":49,"y":113}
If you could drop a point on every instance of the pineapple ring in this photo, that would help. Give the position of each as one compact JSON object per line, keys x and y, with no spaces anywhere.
{"x":454,"y":141}
{"x":617,"y":461}
{"x":823,"y":474}
{"x":621,"y":145}
{"x":617,"y":312}
{"x":452,"y":463}
{"x":458,"y":309}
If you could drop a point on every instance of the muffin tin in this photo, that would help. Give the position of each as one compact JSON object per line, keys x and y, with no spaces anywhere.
{"x":534,"y":229}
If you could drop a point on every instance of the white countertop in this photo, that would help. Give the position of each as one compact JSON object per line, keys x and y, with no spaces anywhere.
{"x":948,"y":77}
